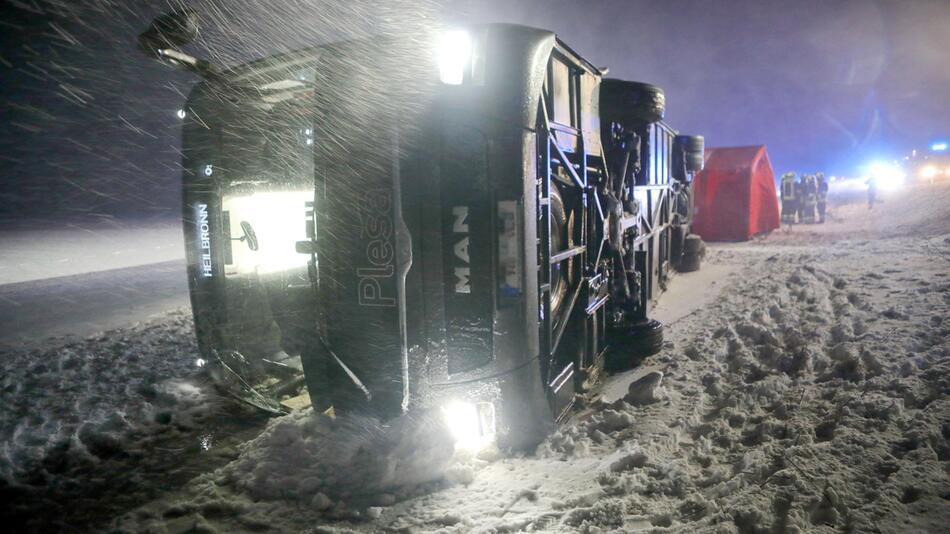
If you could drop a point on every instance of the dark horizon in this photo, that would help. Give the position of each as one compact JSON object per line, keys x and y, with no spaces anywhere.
{"x":91,"y":131}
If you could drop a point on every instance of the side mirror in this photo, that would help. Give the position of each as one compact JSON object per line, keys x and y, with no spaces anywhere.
{"x":250,"y":235}
{"x":169,"y":31}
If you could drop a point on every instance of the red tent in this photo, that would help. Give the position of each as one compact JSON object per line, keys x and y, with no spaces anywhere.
{"x":734,"y":196}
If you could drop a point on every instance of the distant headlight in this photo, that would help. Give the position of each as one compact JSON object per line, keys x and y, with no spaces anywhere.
{"x":454,"y":54}
{"x":887,"y":176}
{"x":472,"y":425}
{"x":928,"y":172}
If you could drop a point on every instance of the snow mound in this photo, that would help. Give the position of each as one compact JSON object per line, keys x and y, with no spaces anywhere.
{"x":307,"y":456}
{"x":348,"y":468}
{"x":81,"y":416}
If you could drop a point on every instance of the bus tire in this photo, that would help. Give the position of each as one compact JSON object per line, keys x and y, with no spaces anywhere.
{"x":632,"y":101}
{"x":631,"y":345}
{"x":693,"y":147}
{"x":689,"y":263}
{"x":677,"y":243}
{"x":693,"y":245}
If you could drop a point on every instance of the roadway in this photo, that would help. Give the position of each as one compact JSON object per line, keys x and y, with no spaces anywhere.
{"x":82,"y":279}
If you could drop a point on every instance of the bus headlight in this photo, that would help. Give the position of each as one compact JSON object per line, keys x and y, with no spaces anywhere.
{"x":454,"y":55}
{"x":472,"y":424}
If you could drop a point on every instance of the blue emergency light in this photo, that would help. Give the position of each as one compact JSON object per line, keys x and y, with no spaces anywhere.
{"x":940,"y":146}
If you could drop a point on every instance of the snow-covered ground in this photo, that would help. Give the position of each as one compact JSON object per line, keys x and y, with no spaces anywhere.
{"x":46,"y":250}
{"x":79,"y":278}
{"x":92,"y":427}
{"x":806,"y":391}
{"x":83,"y":304}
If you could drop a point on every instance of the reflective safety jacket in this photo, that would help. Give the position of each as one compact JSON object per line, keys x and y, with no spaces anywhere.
{"x":788,"y":186}
{"x":809,"y":187}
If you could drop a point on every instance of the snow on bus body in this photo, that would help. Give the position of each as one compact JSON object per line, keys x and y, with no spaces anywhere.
{"x":467,"y":106}
{"x":424,"y":220}
{"x":364,"y":245}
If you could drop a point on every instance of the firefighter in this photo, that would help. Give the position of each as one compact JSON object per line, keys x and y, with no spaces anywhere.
{"x":799,"y":196}
{"x":872,"y":191}
{"x":822,"y":196}
{"x":789,"y":198}
{"x":809,"y":198}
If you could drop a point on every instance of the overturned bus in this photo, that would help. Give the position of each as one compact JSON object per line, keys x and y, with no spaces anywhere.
{"x":480,"y":221}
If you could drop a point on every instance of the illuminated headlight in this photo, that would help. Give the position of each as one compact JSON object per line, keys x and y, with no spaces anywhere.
{"x":928,"y":172}
{"x":454,"y":54}
{"x":472,"y":425}
{"x":887,"y":176}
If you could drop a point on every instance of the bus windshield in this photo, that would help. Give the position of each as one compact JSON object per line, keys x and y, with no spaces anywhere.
{"x":253,"y":156}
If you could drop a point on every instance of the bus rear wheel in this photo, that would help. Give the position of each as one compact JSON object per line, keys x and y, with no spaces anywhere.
{"x":693,"y":251}
{"x":631,"y":345}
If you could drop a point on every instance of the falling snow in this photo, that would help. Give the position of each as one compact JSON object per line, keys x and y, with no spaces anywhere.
{"x":803,"y":390}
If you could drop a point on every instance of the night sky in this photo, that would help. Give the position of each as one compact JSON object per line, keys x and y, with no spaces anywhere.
{"x":89,"y":126}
